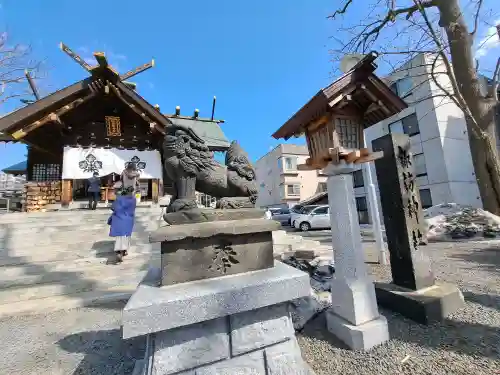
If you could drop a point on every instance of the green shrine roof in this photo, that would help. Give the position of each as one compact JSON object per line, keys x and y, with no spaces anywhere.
{"x":209,"y":131}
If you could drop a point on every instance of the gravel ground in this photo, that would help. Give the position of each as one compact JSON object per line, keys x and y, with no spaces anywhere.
{"x":88,"y":341}
{"x":468,"y":342}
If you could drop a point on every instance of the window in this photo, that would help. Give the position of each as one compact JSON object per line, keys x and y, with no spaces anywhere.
{"x":361,"y":204}
{"x":357,"y":177}
{"x":293,"y":189}
{"x":407,"y":125}
{"x":46,"y":172}
{"x":394,"y":88}
{"x":290,"y":163}
{"x":419,"y":164}
{"x":410,"y":125}
{"x":402,"y":87}
{"x":322,"y":187}
{"x":321,"y":211}
{"x":396,"y":127}
{"x":425,"y":198}
{"x":362,"y":209}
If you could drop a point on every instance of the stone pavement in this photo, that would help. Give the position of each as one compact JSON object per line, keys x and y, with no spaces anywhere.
{"x":88,"y":340}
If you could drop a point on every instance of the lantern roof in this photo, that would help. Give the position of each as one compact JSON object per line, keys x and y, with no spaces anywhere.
{"x":359,"y":93}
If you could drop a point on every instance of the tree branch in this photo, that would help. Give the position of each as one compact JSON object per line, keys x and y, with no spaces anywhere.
{"x":476,"y":18}
{"x":496,"y":79}
{"x":342,"y":10}
{"x":391,"y":16}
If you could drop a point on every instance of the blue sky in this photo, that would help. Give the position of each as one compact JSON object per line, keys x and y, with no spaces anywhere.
{"x":262,"y":59}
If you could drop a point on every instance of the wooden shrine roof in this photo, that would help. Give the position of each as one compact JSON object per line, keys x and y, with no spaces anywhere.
{"x":17,"y":169}
{"x":103,"y":80}
{"x":358,"y":93}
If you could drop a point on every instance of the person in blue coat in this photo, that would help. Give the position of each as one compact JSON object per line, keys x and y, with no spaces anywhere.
{"x":121,"y":221}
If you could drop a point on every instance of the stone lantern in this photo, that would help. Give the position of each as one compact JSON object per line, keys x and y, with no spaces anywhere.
{"x":333,"y":122}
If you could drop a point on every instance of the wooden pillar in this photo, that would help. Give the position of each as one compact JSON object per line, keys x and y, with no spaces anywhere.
{"x":66,"y":192}
{"x":154,"y":190}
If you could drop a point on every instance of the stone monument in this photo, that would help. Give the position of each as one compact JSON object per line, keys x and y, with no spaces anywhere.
{"x":353,"y":317}
{"x":414,"y":291}
{"x":220,"y":303}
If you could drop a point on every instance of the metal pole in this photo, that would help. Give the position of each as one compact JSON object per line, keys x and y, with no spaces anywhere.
{"x":375,"y":215}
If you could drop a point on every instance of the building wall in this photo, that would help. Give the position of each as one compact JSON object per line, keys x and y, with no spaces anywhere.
{"x":280,"y":182}
{"x":441,"y":143}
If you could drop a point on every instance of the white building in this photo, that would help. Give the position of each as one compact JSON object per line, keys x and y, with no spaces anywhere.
{"x":10,"y":183}
{"x":438,"y":134}
{"x":280,"y":182}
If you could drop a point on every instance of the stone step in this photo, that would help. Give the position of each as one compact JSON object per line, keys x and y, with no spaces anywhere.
{"x":63,"y":302}
{"x":69,"y":222}
{"x":20,"y":276}
{"x":71,"y":286}
{"x":20,"y":218}
{"x":50,"y":237}
{"x":85,"y":254}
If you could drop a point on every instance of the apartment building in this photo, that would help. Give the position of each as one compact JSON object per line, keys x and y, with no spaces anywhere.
{"x":280,"y":182}
{"x":439,"y":140}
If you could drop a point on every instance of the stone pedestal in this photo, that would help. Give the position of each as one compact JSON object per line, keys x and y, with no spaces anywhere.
{"x":237,"y":324}
{"x":413,"y":292}
{"x":211,"y":249}
{"x":353,"y":316}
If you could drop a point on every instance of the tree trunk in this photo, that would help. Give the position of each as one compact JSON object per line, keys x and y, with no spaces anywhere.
{"x":487,"y":169}
{"x":481,"y":133}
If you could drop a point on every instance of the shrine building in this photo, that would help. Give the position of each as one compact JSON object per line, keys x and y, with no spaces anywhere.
{"x":98,"y":124}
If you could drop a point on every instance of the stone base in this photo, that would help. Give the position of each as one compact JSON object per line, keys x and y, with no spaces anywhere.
{"x":211,"y":249}
{"x":423,"y":306}
{"x":238,"y":324}
{"x":361,"y":337}
{"x":203,"y":215}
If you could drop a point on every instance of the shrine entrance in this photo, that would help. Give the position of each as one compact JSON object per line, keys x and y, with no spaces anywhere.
{"x":79,"y":164}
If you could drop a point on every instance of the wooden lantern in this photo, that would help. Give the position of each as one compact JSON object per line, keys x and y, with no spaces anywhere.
{"x":333,"y":121}
{"x":333,"y":138}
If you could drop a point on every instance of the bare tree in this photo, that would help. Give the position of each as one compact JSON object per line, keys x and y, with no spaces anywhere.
{"x":438,"y":29}
{"x":15,"y":61}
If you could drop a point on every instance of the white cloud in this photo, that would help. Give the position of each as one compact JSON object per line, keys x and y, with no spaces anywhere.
{"x":489,"y":41}
{"x":116,"y":56}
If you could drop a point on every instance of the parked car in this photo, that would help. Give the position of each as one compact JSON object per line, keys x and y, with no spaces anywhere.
{"x":317,"y":218}
{"x":296,"y":211}
{"x":281,"y":214}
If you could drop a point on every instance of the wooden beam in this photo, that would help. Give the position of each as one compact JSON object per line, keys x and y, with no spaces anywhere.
{"x":101,"y":59}
{"x":75,"y":57}
{"x":318,"y":123}
{"x":32,"y":84}
{"x":137,"y":70}
{"x":21,"y":133}
{"x":375,"y":99}
{"x":133,"y":107}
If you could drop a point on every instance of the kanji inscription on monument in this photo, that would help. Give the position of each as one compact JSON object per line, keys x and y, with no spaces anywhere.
{"x":403,"y":217}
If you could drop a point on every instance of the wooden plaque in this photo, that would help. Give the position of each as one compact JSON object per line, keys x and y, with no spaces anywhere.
{"x":113,"y":126}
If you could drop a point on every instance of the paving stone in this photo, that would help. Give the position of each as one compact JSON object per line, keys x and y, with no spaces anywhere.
{"x":286,"y":359}
{"x":248,"y":364}
{"x":256,"y":329}
{"x":192,"y":346}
